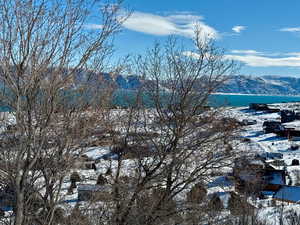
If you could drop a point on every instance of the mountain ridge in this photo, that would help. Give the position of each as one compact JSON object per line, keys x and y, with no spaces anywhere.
{"x":271,"y":85}
{"x":235,"y":84}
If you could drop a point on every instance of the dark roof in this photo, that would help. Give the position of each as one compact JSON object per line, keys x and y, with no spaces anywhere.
{"x":276,"y":177}
{"x":288,"y":193}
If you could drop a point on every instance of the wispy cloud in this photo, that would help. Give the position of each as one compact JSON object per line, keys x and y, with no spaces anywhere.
{"x":93,"y":26}
{"x":293,"y":54}
{"x":248,"y":52}
{"x":291,"y":29}
{"x":182,"y":24}
{"x":269,"y":54}
{"x":195,"y":55}
{"x":261,"y":59}
{"x":239,"y":29}
{"x":254,"y":58}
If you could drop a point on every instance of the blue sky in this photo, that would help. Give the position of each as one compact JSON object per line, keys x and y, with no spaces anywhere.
{"x":263,"y":35}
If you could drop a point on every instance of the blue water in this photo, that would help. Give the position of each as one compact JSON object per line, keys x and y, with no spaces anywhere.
{"x":126,"y":98}
{"x":245,"y":100}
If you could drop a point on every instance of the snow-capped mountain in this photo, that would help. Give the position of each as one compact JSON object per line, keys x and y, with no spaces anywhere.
{"x":272,"y":85}
{"x":240,"y":84}
{"x":104,"y":79}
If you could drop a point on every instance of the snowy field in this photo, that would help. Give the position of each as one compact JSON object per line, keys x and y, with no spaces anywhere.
{"x":260,"y":143}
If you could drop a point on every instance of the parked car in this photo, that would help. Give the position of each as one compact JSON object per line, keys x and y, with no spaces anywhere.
{"x":247,"y":122}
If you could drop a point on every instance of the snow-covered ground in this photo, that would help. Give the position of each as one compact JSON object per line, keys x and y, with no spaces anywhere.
{"x":258,"y":143}
{"x":261,"y":142}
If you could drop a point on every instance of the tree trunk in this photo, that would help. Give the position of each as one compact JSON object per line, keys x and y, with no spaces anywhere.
{"x":19,"y":212}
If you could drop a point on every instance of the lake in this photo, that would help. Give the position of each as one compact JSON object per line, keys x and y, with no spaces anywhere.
{"x":236,"y":100}
{"x":125,"y":98}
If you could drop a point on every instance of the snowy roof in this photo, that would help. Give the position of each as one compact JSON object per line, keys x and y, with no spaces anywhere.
{"x":92,"y":187}
{"x":271,"y":154}
{"x":267,"y":193}
{"x":288,"y":193}
{"x":294,"y":124}
{"x":257,"y":163}
{"x":96,"y":153}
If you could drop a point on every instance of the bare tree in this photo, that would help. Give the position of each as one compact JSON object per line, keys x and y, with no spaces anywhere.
{"x":48,"y":61}
{"x":46,"y":49}
{"x":170,"y":139}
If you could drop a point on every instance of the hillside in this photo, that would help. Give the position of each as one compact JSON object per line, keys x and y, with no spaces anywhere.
{"x":240,"y":84}
{"x":99,"y":79}
{"x":272,"y":85}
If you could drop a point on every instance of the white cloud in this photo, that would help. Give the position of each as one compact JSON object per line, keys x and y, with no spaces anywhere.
{"x":190,"y":54}
{"x":260,"y":59}
{"x":238,"y":29}
{"x":293,"y":54}
{"x":290,"y":29}
{"x":264,"y":61}
{"x":195,"y":55}
{"x":182,"y":24}
{"x":271,"y":54}
{"x":93,"y":26}
{"x":248,"y":52}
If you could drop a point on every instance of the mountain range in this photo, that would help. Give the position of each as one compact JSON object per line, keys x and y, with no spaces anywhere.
{"x":271,"y":85}
{"x":239,"y":84}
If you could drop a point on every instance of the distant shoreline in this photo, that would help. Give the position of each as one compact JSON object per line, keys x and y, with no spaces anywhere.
{"x":224,"y":93}
{"x":239,"y":100}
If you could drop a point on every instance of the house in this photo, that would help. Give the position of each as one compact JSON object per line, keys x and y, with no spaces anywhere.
{"x":263,"y":107}
{"x":277,"y":164}
{"x":273,"y":110}
{"x":248,"y":173}
{"x":287,"y":116}
{"x":272,"y":126}
{"x":257,"y":175}
{"x":290,"y":194}
{"x":258,"y":106}
{"x":274,"y":179}
{"x":288,"y":132}
{"x":294,"y":147}
{"x":295,"y":162}
{"x":92,"y":192}
{"x":297,"y":115}
{"x":269,"y":155}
